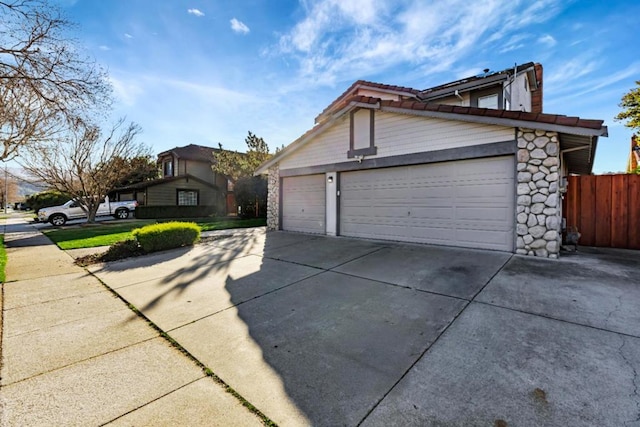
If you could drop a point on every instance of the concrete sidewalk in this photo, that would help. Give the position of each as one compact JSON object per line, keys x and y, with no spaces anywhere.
{"x":72,"y":353}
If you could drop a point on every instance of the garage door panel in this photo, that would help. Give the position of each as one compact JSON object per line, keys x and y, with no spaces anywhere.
{"x":477,"y":191}
{"x":431,"y":213}
{"x":465,"y":203}
{"x":303,"y":206}
{"x":489,"y":214}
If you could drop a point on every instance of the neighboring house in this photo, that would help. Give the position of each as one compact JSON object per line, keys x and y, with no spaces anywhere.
{"x":395,"y":163}
{"x":187,"y":180}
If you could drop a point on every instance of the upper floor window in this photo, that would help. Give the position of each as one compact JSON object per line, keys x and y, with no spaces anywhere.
{"x":167,"y":168}
{"x":489,"y":101}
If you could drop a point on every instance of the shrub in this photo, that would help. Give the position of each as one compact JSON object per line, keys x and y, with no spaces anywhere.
{"x":167,"y":235}
{"x":123,"y":249}
{"x":156,"y":212}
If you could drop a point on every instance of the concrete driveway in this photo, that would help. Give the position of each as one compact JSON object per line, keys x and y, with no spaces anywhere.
{"x":337,"y":331}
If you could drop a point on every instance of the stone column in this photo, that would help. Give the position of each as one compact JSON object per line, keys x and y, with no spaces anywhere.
{"x":538,"y":213}
{"x":273,"y":198}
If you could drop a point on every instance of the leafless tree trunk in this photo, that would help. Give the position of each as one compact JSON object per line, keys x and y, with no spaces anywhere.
{"x":84,"y":163}
{"x":45,"y":81}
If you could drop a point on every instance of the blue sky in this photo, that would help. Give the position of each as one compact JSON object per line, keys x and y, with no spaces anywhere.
{"x":208,"y":71}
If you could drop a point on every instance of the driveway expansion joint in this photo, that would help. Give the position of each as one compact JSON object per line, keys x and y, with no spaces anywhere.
{"x":426,"y":350}
{"x":546,"y":316}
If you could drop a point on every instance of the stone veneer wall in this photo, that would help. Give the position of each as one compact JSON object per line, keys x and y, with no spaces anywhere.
{"x":538,"y":205}
{"x":273,"y":198}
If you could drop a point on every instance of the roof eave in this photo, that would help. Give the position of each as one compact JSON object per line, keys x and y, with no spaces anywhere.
{"x":500,"y":121}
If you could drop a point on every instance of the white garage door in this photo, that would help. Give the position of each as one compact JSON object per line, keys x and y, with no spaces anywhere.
{"x":303,"y":204}
{"x":467,"y":203}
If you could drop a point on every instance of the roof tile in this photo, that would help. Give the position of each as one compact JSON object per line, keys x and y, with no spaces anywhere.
{"x":567,"y":121}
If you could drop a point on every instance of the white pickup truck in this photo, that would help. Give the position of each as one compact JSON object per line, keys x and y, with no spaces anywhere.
{"x":59,"y":215}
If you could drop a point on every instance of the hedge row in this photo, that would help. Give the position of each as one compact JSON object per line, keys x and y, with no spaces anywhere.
{"x":156,"y":212}
{"x":167,"y":235}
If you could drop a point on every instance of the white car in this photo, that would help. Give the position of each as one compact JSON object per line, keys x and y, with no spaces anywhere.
{"x":59,"y":215}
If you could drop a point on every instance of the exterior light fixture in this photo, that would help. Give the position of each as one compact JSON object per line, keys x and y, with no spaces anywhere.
{"x":330,"y":179}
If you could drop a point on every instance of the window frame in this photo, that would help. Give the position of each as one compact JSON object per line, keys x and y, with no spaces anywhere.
{"x":371,"y":150}
{"x":181,"y":190}
{"x":477,"y":94}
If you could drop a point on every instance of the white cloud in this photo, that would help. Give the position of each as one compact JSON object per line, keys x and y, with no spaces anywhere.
{"x":104,"y":47}
{"x":239,"y":26}
{"x":570,"y":71}
{"x":337,"y":39}
{"x":547,"y":40}
{"x":127,"y":35}
{"x":195,"y":12}
{"x":126,"y":91}
{"x":515,"y":42}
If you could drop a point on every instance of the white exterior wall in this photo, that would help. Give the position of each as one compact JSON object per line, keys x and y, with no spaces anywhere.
{"x":329,"y":147}
{"x":520,"y":94}
{"x":397,"y":134}
{"x":331,"y":217}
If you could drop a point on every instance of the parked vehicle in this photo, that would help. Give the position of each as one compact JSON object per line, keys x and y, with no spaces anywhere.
{"x":59,"y":215}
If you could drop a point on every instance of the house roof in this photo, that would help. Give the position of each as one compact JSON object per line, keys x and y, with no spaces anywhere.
{"x":340,"y":101}
{"x":467,"y":83}
{"x":474,"y":81}
{"x":160,"y":181}
{"x":195,"y":152}
{"x":585,"y":131}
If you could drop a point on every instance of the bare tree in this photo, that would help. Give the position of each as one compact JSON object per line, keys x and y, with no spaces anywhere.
{"x":8,"y":188}
{"x":84,"y":163}
{"x":45,"y":81}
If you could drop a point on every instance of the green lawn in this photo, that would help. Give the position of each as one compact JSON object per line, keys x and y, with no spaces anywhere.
{"x":3,"y":258}
{"x":82,"y":236}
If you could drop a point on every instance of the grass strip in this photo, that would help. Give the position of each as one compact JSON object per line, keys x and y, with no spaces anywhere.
{"x":84,"y":236}
{"x":81,"y":236}
{"x":3,"y":258}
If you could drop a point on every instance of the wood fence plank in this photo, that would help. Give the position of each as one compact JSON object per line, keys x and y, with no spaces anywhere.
{"x":602,"y":211}
{"x":619,"y":211}
{"x":572,"y":213}
{"x":634,"y":211}
{"x":587,"y":210}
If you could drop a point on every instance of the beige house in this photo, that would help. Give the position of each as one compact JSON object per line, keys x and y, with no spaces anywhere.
{"x":472,"y":163}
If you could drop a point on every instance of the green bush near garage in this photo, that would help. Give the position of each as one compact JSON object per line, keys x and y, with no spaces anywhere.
{"x":167,"y":235}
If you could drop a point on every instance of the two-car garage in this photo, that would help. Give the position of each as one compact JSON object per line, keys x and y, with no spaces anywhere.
{"x":467,"y":203}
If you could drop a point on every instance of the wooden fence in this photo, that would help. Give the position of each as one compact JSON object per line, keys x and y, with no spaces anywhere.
{"x":605,"y":209}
